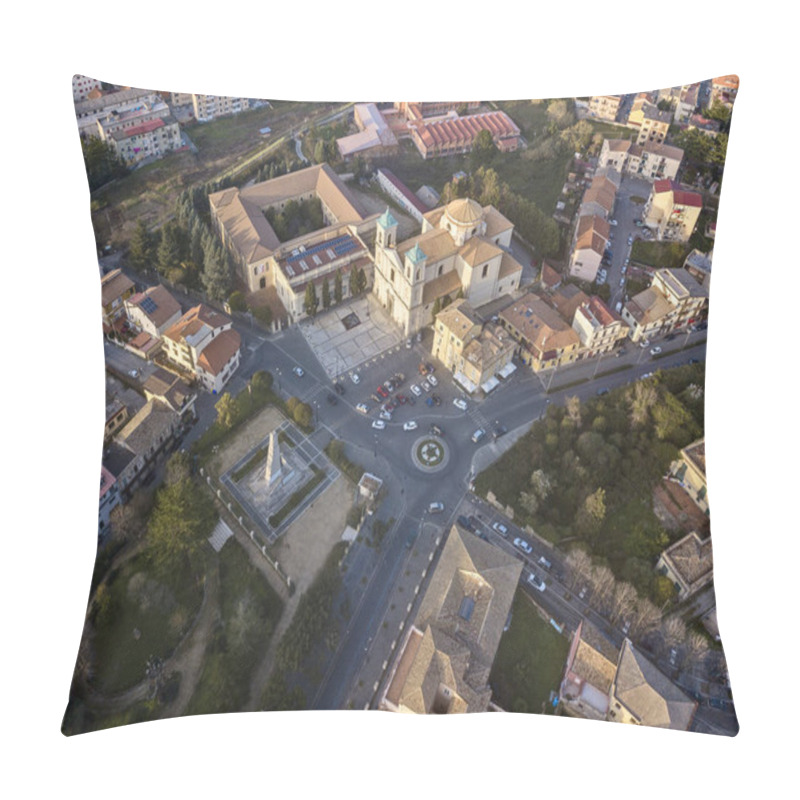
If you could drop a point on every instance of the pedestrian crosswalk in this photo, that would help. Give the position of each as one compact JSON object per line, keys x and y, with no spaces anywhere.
{"x":478,"y":417}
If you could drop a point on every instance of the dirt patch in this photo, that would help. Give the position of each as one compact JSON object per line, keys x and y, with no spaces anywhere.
{"x":253,"y":432}
{"x":302,"y":550}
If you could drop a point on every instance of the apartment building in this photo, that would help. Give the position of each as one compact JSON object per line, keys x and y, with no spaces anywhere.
{"x":671,"y":211}
{"x":211,"y":106}
{"x":605,"y":106}
{"x":651,"y":160}
{"x":599,"y":328}
{"x":82,"y":86}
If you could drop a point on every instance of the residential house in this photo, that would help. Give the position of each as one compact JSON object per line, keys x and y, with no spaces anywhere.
{"x":708,"y":127}
{"x":601,"y":194}
{"x":688,"y":564}
{"x":698,"y":265}
{"x":115,"y":289}
{"x":109,"y":499}
{"x":651,"y":161}
{"x":672,"y":212}
{"x":641,"y":694}
{"x":149,"y":434}
{"x":443,"y":663}
{"x":673,"y":300}
{"x":186,"y":342}
{"x":116,"y":417}
{"x":650,"y":123}
{"x":600,"y":329}
{"x":211,"y":106}
{"x":173,"y":392}
{"x":544,"y":339}
{"x":474,"y":353}
{"x":724,"y":89}
{"x":605,"y":106}
{"x":566,"y":299}
{"x":153,"y":311}
{"x":125,"y":467}
{"x":463,"y":248}
{"x":690,"y":472}
{"x":591,"y":240}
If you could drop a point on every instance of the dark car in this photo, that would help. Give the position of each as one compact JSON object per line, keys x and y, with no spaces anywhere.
{"x":694,"y":360}
{"x":429,"y":401}
{"x":472,"y":521}
{"x":602,"y":391}
{"x":499,"y":431}
{"x":464,"y":523}
{"x":331,"y":398}
{"x":401,"y":399}
{"x":669,"y":337}
{"x":437,"y":401}
{"x":339,"y":388}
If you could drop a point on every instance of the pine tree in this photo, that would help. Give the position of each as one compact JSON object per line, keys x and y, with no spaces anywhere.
{"x":140,"y":251}
{"x":216,"y":273}
{"x":310,"y":303}
{"x":169,"y":251}
{"x":337,"y":287}
{"x":437,"y":307}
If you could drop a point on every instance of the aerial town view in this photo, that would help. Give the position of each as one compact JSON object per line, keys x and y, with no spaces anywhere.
{"x":404,"y":407}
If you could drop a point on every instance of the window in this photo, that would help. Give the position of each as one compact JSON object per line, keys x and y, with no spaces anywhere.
{"x":485,"y":270}
{"x":440,"y":269}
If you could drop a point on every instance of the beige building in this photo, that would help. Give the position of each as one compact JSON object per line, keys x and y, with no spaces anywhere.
{"x":462,"y":248}
{"x":641,"y":694}
{"x":650,"y":124}
{"x":203,"y":344}
{"x":153,"y":310}
{"x":150,"y":138}
{"x":149,"y":431}
{"x":544,"y":339}
{"x":91,"y":109}
{"x":651,"y":161}
{"x":601,"y":194}
{"x":673,"y":300}
{"x":474,"y":353}
{"x":374,"y":136}
{"x":442,"y":665}
{"x":81,"y":86}
{"x":690,"y":472}
{"x":591,"y":239}
{"x":210,"y":106}
{"x":724,"y":89}
{"x":688,"y":564}
{"x":600,"y":329}
{"x":264,"y":261}
{"x":671,"y":211}
{"x":605,"y":106}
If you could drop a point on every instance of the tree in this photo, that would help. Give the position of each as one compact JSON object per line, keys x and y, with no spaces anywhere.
{"x":129,"y":520}
{"x":102,"y":163}
{"x":178,"y":467}
{"x":169,"y":249}
{"x":644,"y":617}
{"x":623,"y":601}
{"x":182,"y":519}
{"x":483,"y":149}
{"x":226,"y":410}
{"x":353,"y":282}
{"x":310,"y":303}
{"x":326,"y":294}
{"x":592,"y":512}
{"x":140,"y":251}
{"x":337,"y":286}
{"x":579,"y":563}
{"x":303,"y":415}
{"x":641,"y":398}
{"x":664,"y":591}
{"x":216,"y":272}
{"x":674,"y":631}
{"x":237,"y":302}
{"x":261,"y":383}
{"x":697,"y":646}
{"x":361,"y":279}
{"x":529,"y":501}
{"x":602,"y":579}
{"x":437,"y":307}
{"x":573,"y":405}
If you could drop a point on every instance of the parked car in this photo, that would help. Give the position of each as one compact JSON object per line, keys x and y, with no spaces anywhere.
{"x":536,"y":582}
{"x":523,"y":545}
{"x":382,"y":392}
{"x":401,"y":399}
{"x":331,"y":398}
{"x":435,"y":508}
{"x":582,"y":592}
{"x":408,"y":344}
{"x":654,"y":351}
{"x":612,"y":222}
{"x":432,"y":380}
{"x":601,"y":392}
{"x":378,"y":424}
{"x":134,"y":373}
{"x":694,"y":360}
{"x":646,"y":375}
{"x":626,"y":626}
{"x":464,"y":523}
{"x":375,"y":399}
{"x":339,"y":388}
{"x":500,"y":528}
{"x":478,"y":435}
{"x":415,"y":389}
{"x":673,"y":656}
{"x":545,"y":562}
{"x":622,"y":281}
{"x":426,"y":386}
{"x":499,"y":431}
{"x":437,"y":401}
{"x":435,"y":430}
{"x":387,"y":415}
{"x":362,"y":407}
{"x":460,"y":403}
{"x":298,"y":371}
{"x":644,"y":343}
{"x":410,"y":425}
{"x":354,"y":377}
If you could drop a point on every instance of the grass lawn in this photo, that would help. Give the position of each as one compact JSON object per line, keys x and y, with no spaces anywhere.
{"x":249,"y":611}
{"x":160,"y":610}
{"x":530,"y":660}
{"x":660,"y":254}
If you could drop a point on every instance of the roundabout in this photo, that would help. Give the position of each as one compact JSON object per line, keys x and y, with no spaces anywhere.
{"x":430,"y":454}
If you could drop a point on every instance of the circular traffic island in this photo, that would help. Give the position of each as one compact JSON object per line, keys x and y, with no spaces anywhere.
{"x":430,"y":454}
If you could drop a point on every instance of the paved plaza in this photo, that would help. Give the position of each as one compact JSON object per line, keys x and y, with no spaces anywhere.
{"x":339,"y":349}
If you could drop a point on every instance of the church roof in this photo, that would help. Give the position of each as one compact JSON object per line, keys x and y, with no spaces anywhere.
{"x":465,"y":211}
{"x":415,"y":254}
{"x":386,"y":220}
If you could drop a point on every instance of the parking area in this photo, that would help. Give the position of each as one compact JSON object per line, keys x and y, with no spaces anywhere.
{"x":345,"y":337}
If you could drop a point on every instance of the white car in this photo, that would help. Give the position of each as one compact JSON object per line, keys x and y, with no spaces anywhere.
{"x":523,"y":545}
{"x":415,"y":389}
{"x":387,"y":415}
{"x":362,"y":408}
{"x":134,"y":373}
{"x":354,"y":377}
{"x":622,"y":281}
{"x":435,"y":508}
{"x":432,"y":380}
{"x":612,"y":222}
{"x":410,"y":425}
{"x":459,"y":403}
{"x":654,"y":351}
{"x":626,"y":627}
{"x":426,"y":386}
{"x":408,"y":344}
{"x":378,"y":424}
{"x":298,"y":371}
{"x":537,"y":583}
{"x":500,"y":528}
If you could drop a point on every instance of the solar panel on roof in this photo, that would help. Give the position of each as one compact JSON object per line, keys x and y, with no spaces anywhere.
{"x":148,"y":305}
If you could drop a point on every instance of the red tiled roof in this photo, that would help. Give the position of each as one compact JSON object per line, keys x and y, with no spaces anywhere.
{"x":219,"y":352}
{"x":683,"y":198}
{"x":144,"y":127}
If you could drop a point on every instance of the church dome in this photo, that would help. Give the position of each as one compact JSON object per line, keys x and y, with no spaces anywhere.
{"x":464,"y":211}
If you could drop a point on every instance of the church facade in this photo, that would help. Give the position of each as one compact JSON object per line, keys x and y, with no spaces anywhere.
{"x":462,"y":251}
